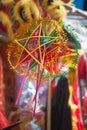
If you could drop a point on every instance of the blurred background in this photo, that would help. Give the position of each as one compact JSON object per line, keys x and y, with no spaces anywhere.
{"x":81,"y":4}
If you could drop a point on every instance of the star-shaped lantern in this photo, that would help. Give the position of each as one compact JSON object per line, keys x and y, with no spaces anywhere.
{"x":44,"y":42}
{"x":37,"y":51}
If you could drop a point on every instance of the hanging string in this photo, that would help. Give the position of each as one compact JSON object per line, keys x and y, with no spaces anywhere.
{"x":22,"y":84}
{"x":37,"y":87}
{"x":39,"y":77}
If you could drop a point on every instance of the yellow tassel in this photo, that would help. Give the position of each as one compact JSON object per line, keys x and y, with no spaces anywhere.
{"x":56,"y":9}
{"x":30,"y":9}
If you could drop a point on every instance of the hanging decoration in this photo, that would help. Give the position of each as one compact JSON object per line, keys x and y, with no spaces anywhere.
{"x":45,"y":42}
{"x":37,"y":52}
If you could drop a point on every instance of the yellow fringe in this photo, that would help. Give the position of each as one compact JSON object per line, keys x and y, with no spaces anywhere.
{"x":29,"y":7}
{"x":56,"y":9}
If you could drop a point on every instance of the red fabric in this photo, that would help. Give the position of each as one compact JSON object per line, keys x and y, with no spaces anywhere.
{"x":2,"y":27}
{"x":2,"y":97}
{"x":52,"y":87}
{"x":5,"y":8}
{"x":82,"y":66}
{"x":3,"y":121}
{"x":66,"y":1}
{"x":76,"y":101}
